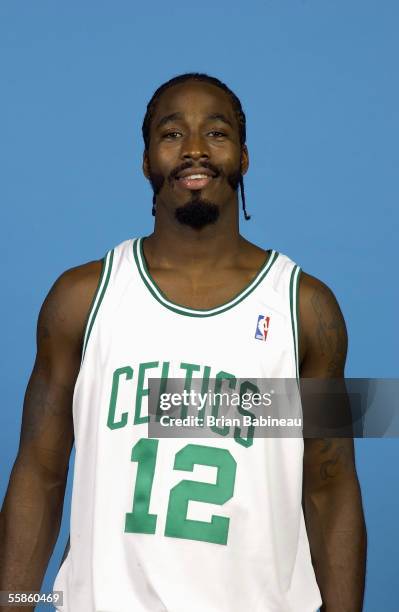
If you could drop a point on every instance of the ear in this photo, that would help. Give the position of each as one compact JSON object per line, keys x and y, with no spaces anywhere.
{"x":244,"y":159}
{"x":146,"y":165}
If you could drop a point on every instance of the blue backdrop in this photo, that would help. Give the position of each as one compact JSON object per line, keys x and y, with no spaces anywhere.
{"x":318,"y":82}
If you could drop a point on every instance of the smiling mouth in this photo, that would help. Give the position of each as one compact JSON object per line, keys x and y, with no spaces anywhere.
{"x":194,"y":181}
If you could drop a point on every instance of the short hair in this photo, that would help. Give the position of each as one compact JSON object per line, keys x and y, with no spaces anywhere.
{"x":193,"y":76}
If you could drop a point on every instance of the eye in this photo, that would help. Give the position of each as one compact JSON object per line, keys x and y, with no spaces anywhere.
{"x":171,"y":135}
{"x":217,"y":133}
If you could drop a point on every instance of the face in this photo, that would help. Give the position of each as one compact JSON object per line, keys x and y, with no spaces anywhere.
{"x":195,"y":160}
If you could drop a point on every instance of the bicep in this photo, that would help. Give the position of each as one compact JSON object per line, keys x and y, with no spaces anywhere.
{"x":47,"y":426}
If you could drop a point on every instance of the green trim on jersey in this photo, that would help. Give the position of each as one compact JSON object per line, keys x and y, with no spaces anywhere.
{"x":294,"y":301}
{"x":98,"y":298}
{"x":195,"y":312}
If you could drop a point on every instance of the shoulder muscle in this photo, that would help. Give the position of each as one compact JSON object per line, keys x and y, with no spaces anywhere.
{"x":65,"y":309}
{"x":323,"y":336}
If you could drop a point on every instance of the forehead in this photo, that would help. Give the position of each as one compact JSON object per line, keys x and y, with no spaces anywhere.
{"x":194,"y":98}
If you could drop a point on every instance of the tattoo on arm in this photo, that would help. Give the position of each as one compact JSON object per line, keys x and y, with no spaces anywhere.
{"x":330,"y":331}
{"x":339,"y":460}
{"x":328,"y":463}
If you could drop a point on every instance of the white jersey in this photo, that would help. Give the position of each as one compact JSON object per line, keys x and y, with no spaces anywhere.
{"x":170,"y":524}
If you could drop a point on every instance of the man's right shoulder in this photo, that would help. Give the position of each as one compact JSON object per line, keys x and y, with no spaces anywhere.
{"x":82,"y":277}
{"x":79,"y":284}
{"x":67,"y":304}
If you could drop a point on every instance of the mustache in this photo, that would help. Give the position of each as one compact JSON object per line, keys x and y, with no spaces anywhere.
{"x":188,"y":165}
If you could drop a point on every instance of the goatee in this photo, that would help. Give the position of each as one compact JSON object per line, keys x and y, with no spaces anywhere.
{"x":197,"y":213}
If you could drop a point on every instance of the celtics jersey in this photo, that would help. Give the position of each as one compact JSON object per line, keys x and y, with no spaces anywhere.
{"x":171,"y":524}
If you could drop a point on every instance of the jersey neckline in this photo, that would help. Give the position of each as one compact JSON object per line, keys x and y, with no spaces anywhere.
{"x":157,"y":293}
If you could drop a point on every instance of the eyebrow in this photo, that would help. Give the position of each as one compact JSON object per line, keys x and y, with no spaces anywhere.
{"x":176,"y":116}
{"x":220,"y":117}
{"x":168,"y":119}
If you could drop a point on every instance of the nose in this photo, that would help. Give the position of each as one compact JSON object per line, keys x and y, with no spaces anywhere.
{"x":195,"y":147}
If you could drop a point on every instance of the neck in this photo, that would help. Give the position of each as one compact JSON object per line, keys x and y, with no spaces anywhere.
{"x":174,"y":245}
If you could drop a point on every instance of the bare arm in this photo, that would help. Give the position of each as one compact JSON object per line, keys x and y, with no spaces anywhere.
{"x":332,"y":498}
{"x":32,"y":509}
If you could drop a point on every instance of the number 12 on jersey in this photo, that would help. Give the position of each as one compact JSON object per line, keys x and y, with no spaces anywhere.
{"x":177,"y":524}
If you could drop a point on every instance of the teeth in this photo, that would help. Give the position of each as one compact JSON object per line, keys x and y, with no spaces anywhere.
{"x":195,"y":176}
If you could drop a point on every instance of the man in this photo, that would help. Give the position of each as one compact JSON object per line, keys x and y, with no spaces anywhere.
{"x":192,"y":300}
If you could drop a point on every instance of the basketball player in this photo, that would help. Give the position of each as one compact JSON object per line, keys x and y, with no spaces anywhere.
{"x":214,"y":525}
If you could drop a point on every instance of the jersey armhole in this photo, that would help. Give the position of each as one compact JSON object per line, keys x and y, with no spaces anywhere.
{"x":97,"y":299}
{"x":294,"y":308}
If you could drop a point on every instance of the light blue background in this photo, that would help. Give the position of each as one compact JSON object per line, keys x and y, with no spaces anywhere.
{"x":318,"y":81}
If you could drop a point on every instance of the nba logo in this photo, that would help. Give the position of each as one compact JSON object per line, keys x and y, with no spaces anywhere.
{"x":262,"y":327}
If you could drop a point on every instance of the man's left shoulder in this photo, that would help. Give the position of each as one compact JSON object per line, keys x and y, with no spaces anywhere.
{"x":321,"y":322}
{"x":315,"y":295}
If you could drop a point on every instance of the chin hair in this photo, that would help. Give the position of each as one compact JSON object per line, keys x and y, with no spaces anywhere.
{"x":197,"y":213}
